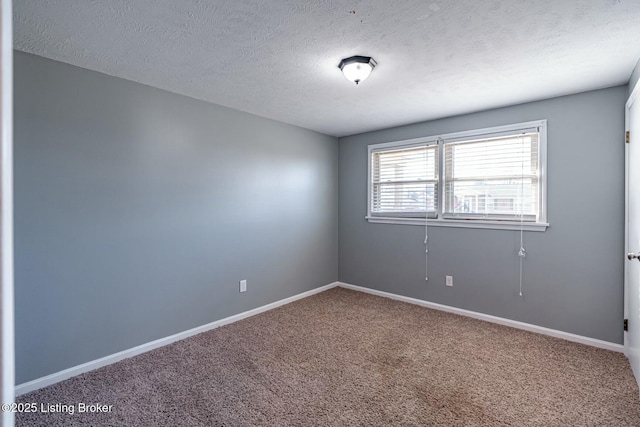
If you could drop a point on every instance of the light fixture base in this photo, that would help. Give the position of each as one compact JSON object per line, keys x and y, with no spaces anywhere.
{"x":357,"y":68}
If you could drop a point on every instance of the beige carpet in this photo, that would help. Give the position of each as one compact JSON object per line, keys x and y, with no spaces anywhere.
{"x":344,"y":358}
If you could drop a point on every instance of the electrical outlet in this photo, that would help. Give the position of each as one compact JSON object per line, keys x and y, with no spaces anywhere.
{"x":449,"y":281}
{"x":243,"y":286}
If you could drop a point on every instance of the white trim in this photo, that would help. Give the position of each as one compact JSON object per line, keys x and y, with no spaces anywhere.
{"x":493,"y":319}
{"x":496,"y":225}
{"x":406,"y":143}
{"x":632,"y":98}
{"x":8,"y":345}
{"x":491,"y":131}
{"x":627,"y":107}
{"x":113,"y":358}
{"x":634,"y":94}
{"x":542,"y":165}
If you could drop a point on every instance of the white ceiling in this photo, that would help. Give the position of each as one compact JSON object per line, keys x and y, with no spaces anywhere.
{"x":278,"y":58}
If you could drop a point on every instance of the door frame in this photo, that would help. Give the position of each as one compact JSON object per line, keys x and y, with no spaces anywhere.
{"x":630,"y":101}
{"x":7,"y":357}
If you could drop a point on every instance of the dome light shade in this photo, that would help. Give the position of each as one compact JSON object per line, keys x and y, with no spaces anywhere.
{"x":357,"y":68}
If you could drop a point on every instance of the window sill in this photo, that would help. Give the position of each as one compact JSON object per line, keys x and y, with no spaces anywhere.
{"x":461,"y":223}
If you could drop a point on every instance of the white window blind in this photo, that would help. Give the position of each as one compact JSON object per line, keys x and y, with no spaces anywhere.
{"x":493,"y":178}
{"x":481,"y":178}
{"x":404,"y":181}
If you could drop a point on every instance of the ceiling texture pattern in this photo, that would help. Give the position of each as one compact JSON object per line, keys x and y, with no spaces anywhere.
{"x":279,"y":58}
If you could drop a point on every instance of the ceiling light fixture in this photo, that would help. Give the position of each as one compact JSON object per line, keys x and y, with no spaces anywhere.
{"x":357,"y":68}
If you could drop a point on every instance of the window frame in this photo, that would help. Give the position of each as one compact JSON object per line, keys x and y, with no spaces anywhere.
{"x":446,"y":221}
{"x":417,"y":143}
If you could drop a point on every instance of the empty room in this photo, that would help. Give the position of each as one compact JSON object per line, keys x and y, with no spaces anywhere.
{"x":371,"y":213}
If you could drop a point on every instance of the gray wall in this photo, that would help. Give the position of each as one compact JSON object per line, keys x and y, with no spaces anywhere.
{"x":137,"y":211}
{"x":635,"y":76}
{"x":573,"y":272}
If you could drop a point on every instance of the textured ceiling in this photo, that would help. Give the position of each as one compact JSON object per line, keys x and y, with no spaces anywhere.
{"x":278,"y":58}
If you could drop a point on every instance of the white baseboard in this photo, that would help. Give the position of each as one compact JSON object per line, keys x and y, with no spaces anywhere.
{"x":493,"y":319}
{"x":107,"y":360}
{"x":113,"y":358}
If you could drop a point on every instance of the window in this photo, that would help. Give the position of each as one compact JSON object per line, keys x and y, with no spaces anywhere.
{"x":487,"y":178}
{"x":494,"y":178}
{"x":404,"y":181}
